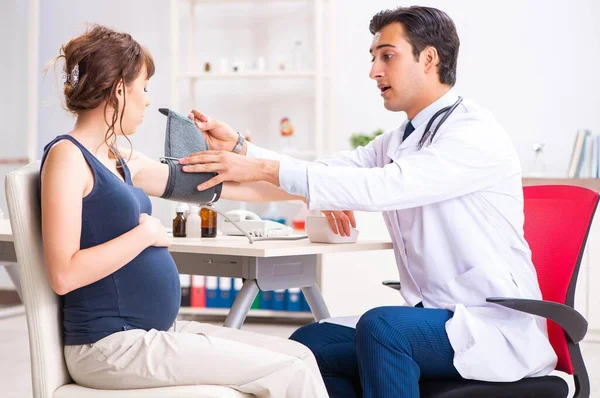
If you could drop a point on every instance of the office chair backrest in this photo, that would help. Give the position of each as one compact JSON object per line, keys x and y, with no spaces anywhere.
{"x":42,"y":307}
{"x":557,"y":223}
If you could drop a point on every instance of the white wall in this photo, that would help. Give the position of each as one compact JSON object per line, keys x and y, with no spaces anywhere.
{"x":13,"y":81}
{"x":533,"y":63}
{"x":13,"y":93}
{"x":148,"y":24}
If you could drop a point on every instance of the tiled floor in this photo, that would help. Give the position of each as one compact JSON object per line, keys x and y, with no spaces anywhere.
{"x":15,"y":373}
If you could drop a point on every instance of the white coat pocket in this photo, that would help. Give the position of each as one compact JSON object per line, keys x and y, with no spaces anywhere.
{"x":472,"y":287}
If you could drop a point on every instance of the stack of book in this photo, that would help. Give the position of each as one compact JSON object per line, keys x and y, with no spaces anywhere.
{"x":585,"y":159}
{"x":218,"y":292}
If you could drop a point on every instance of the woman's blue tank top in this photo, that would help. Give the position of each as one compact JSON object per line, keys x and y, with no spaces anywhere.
{"x":143,"y":294}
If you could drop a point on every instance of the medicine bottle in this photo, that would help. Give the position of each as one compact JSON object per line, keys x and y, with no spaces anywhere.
{"x":192,"y":222}
{"x":209,"y":222}
{"x":179,"y":221}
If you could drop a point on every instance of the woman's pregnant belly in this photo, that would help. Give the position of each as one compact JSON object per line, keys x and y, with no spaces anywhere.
{"x":148,"y":288}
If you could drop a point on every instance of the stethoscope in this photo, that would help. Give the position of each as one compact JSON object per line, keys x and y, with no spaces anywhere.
{"x":448,"y":111}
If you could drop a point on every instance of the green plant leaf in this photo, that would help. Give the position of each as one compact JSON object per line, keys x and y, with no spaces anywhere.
{"x":362,"y":139}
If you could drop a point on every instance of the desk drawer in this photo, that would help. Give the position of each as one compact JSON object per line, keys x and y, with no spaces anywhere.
{"x":210,"y":265}
{"x":273,"y":273}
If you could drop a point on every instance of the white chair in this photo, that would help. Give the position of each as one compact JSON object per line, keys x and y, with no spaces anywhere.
{"x":50,"y":378}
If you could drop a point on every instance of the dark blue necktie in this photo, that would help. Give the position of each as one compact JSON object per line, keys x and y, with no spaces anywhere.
{"x":408,"y":130}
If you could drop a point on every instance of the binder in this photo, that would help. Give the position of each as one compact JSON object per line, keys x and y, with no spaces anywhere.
{"x":212,"y":286}
{"x":597,"y":165}
{"x":278,"y":300}
{"x":224,"y":292}
{"x":256,"y":302}
{"x":292,"y":300}
{"x":304,"y":306}
{"x":235,"y":289}
{"x":593,"y":158}
{"x":577,"y":154}
{"x":198,"y":294}
{"x":185,"y":282}
{"x":265,"y":300}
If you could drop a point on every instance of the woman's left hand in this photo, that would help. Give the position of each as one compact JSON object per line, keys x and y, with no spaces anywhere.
{"x":231,"y":167}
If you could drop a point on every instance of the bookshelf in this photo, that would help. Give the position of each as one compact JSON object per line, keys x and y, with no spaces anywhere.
{"x":249,"y":75}
{"x":213,"y":297}
{"x":254,"y":98}
{"x":256,"y":314}
{"x":255,"y":29}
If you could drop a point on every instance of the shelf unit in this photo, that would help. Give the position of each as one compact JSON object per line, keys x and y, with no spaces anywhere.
{"x":253,"y":313}
{"x":185,"y":68}
{"x":249,"y":75}
{"x":189,"y":78}
{"x":307,"y":90}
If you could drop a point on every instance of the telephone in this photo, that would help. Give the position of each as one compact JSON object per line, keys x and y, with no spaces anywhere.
{"x":253,"y":225}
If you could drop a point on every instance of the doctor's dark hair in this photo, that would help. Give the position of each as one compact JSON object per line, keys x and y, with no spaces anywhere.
{"x":425,"y":26}
{"x":104,"y":57}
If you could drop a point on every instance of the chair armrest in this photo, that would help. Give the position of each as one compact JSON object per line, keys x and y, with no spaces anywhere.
{"x":572,"y":322}
{"x":392,"y":284}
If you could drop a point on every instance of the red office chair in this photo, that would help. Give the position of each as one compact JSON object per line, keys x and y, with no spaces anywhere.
{"x":557,"y":223}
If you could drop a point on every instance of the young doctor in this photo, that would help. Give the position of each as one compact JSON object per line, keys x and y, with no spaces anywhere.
{"x":448,"y":182}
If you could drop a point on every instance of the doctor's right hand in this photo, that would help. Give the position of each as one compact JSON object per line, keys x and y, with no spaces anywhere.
{"x":340,"y":221}
{"x":219,"y":136}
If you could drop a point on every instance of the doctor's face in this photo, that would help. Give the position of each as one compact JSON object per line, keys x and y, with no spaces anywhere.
{"x":399,"y":76}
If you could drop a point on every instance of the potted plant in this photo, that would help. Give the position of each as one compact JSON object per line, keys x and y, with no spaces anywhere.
{"x":362,"y":139}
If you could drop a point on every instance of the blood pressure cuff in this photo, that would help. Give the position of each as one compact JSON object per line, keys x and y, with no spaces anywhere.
{"x":183,"y":138}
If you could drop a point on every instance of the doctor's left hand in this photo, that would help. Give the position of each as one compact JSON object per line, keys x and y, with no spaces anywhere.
{"x":231,"y":167}
{"x":340,"y":221}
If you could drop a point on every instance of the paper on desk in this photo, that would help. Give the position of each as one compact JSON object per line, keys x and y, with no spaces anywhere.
{"x":348,"y":321}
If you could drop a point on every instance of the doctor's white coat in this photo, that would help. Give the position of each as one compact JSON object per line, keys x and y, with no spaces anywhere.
{"x":454,"y":211}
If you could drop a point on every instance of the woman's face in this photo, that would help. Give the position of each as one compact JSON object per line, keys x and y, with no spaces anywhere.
{"x":136,"y":98}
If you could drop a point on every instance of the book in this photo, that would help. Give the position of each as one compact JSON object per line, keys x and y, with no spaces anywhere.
{"x":225,"y":297}
{"x":198,"y":292}
{"x":265,"y":299}
{"x":212,"y":287}
{"x":593,"y":158}
{"x":278,"y":300}
{"x":185,"y":282}
{"x":577,"y":154}
{"x":236,"y":287}
{"x":293,"y":302}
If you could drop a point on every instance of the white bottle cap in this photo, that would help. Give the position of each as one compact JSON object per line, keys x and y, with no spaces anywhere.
{"x":181,"y":208}
{"x":194,"y":209}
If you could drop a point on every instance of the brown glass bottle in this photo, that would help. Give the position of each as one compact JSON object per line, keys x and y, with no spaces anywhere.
{"x":179,"y":222}
{"x":208,"y":219}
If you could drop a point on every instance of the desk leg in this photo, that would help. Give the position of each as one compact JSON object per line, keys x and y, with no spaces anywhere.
{"x":316,"y":302}
{"x":241,"y":305}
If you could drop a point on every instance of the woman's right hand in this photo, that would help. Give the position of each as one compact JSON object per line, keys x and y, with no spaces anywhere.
{"x":219,"y":136}
{"x":155,"y":230}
